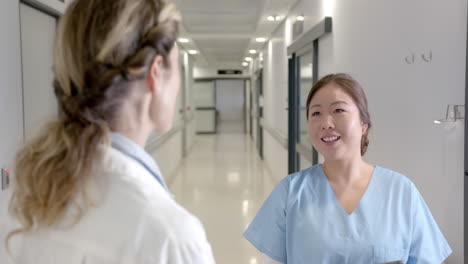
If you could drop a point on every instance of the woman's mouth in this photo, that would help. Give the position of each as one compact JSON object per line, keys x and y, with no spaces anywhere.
{"x":330,"y":139}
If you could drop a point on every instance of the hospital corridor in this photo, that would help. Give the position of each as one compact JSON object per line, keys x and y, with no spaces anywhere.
{"x":233,"y":131}
{"x":223,"y":182}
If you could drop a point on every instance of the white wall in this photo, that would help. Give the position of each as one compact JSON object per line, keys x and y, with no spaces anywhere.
{"x":189,"y":110}
{"x":275,"y":156}
{"x":275,"y":94}
{"x":11,"y":102}
{"x":370,"y":40}
{"x":275,"y":82}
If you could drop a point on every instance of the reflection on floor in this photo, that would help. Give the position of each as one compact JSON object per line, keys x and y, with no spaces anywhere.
{"x":223,"y":182}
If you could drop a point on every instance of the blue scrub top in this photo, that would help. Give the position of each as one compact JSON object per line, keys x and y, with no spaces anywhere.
{"x":303,"y":222}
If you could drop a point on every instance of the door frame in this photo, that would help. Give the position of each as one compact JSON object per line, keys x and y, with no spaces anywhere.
{"x":465,"y":211}
{"x":307,"y":41}
{"x":259,"y":94}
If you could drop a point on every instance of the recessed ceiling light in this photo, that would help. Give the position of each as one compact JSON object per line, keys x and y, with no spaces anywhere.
{"x":260,"y":39}
{"x":245,"y":64}
{"x":184,"y":40}
{"x":300,"y":18}
{"x":277,"y":18}
{"x":248,"y":58}
{"x":271,"y":18}
{"x":252,"y":51}
{"x":193,"y":52}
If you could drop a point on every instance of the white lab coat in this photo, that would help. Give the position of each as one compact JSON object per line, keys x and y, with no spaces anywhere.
{"x":135,"y":221}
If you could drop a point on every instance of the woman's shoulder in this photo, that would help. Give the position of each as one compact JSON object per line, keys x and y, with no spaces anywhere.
{"x":308,"y":177}
{"x":307,"y":174}
{"x":394,"y":183}
{"x":169,"y":220}
{"x":389,"y":176}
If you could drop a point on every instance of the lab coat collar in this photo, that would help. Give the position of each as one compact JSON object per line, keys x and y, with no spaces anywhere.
{"x":134,"y":151}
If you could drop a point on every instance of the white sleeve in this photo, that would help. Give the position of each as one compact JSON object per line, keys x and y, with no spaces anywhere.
{"x":267,"y":260}
{"x":186,"y":252}
{"x":183,"y":241}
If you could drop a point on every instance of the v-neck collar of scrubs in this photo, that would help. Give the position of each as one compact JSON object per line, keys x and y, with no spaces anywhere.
{"x":337,"y":202}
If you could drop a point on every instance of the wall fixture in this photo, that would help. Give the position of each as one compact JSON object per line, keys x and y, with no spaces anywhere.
{"x":274,"y":18}
{"x":5,"y":178}
{"x":454,"y":113}
{"x":410,"y":58}
{"x":427,"y":57}
{"x":184,"y":40}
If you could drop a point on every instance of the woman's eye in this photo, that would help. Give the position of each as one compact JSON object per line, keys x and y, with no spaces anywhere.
{"x":339,"y":111}
{"x":315,"y":114}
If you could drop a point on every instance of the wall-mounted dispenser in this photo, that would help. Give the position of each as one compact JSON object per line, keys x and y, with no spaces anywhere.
{"x":454,"y":113}
{"x":5,"y":178}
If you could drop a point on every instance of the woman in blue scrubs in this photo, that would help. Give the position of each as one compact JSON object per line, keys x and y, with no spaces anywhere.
{"x":345,"y":210}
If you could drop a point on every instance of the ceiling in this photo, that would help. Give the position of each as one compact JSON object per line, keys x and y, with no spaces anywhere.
{"x":223,"y":31}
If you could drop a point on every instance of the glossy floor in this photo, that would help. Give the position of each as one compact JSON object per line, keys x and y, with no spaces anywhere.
{"x":223,"y":182}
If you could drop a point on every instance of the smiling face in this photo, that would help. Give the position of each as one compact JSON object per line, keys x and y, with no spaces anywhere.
{"x":335,"y":126}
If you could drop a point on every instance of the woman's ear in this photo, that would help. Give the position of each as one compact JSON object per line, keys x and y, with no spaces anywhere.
{"x":156,"y":73}
{"x":365,"y":126}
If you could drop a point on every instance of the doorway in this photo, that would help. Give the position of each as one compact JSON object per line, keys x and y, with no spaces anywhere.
{"x":37,"y":41}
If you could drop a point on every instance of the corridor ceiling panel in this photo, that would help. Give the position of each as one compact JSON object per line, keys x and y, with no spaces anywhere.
{"x":224,"y":30}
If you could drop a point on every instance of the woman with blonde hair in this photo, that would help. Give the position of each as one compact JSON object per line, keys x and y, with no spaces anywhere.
{"x":85,"y":191}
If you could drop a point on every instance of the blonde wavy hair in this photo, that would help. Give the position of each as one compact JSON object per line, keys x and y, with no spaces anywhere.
{"x":102,"y":48}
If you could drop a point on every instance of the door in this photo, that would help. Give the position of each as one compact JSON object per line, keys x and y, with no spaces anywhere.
{"x":205,"y":102}
{"x":259,"y":98}
{"x":37,"y":41}
{"x":304,"y":84}
{"x":466,"y":160}
{"x":302,"y":75}
{"x":230,"y":104}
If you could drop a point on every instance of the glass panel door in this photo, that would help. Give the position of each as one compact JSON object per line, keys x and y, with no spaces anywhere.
{"x":304,"y":84}
{"x":205,"y":102}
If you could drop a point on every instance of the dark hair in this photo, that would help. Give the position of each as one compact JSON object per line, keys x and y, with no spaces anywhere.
{"x":353,"y":89}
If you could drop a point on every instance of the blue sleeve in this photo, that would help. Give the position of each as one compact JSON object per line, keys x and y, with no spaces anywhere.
{"x":267,"y":232}
{"x":428,"y":245}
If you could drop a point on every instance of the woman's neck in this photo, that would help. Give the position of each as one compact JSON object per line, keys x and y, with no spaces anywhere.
{"x":344,"y":172}
{"x":133,"y":121}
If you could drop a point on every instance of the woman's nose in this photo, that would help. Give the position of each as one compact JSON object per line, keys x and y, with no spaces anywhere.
{"x":327,"y":123}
